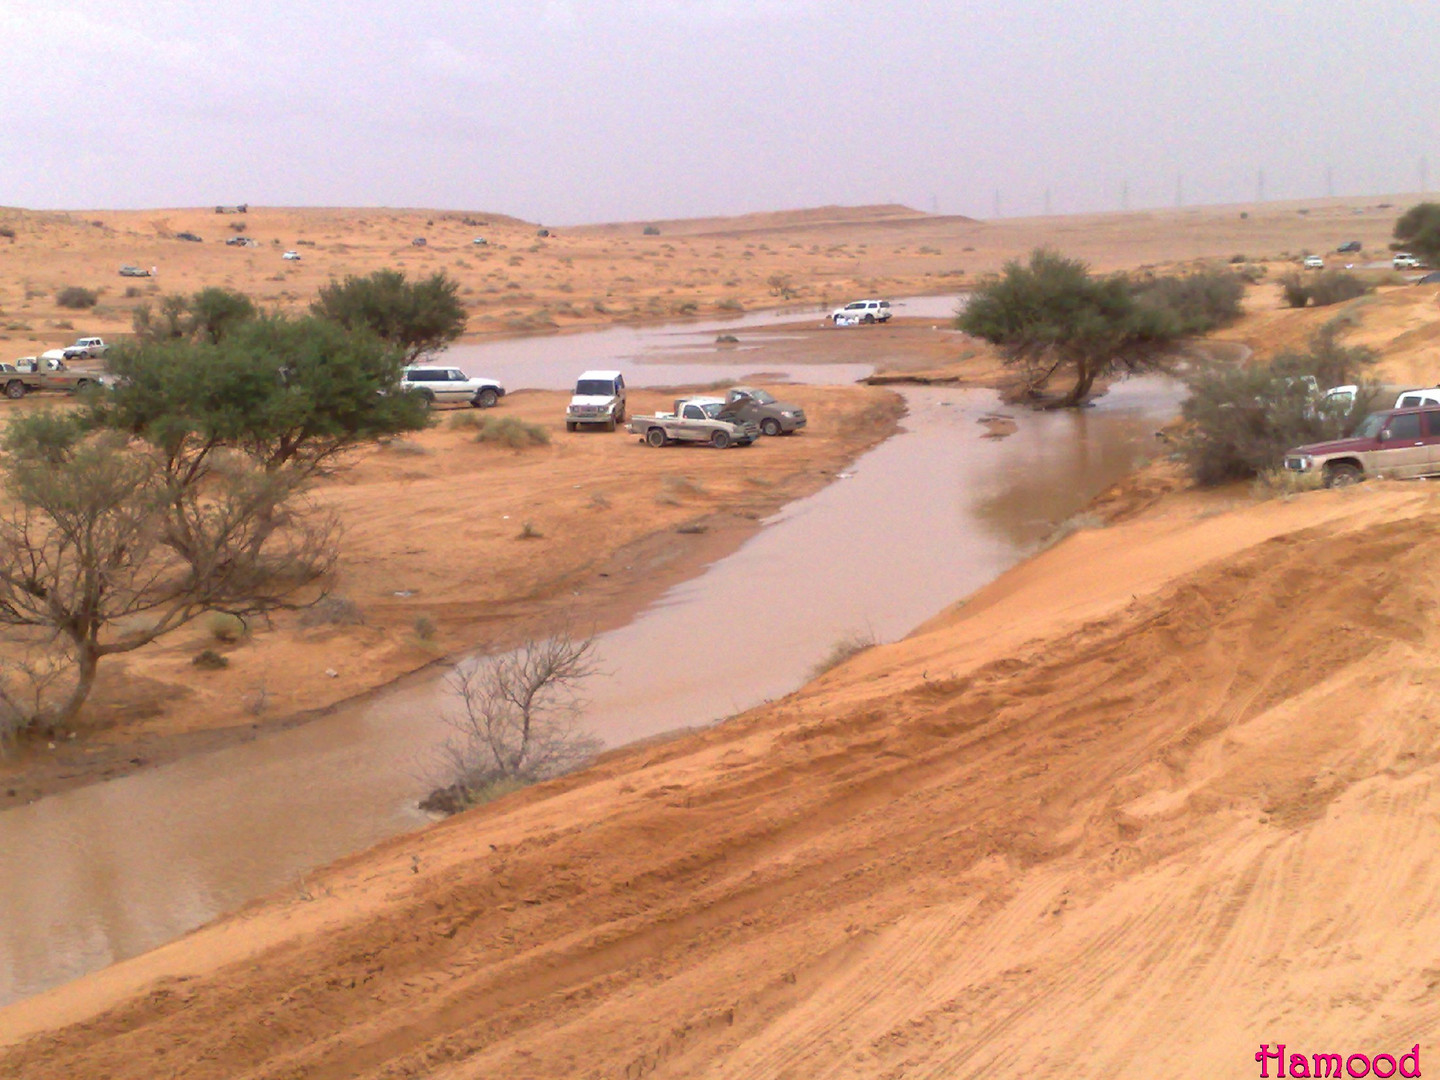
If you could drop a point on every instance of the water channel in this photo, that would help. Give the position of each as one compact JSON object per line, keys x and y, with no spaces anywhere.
{"x":94,"y":875}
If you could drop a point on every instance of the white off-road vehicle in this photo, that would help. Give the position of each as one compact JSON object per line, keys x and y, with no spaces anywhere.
{"x":599,"y":398}
{"x":862,"y":311}
{"x":451,"y":386}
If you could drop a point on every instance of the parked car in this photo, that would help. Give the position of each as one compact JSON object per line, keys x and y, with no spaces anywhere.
{"x":188,"y":236}
{"x":599,"y":398}
{"x":54,"y":375}
{"x":1403,"y":260}
{"x":1394,"y":442}
{"x":16,"y":383}
{"x":419,"y":241}
{"x":697,"y":420}
{"x":293,"y":256}
{"x":773,"y":417}
{"x":85,"y":348}
{"x":862,"y":311}
{"x":449,"y":386}
{"x":1348,"y":246}
{"x":1314,"y":262}
{"x":1422,"y":395}
{"x":479,"y":241}
{"x":133,"y":271}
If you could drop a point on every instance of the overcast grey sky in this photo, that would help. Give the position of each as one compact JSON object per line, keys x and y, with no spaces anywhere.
{"x":567,"y":111}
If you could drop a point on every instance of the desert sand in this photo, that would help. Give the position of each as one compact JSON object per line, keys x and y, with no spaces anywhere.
{"x":1163,"y":793}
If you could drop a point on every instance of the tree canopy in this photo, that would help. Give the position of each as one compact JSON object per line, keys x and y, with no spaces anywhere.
{"x":1418,"y":231}
{"x":208,"y":315}
{"x":179,"y":491}
{"x":289,"y":392}
{"x":419,"y":317}
{"x":1051,"y":314}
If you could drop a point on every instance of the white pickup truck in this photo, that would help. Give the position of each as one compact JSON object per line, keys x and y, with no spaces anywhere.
{"x":92,"y":348}
{"x":697,"y":420}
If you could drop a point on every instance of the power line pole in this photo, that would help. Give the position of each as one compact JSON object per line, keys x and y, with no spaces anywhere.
{"x":997,"y":202}
{"x":1180,"y":189}
{"x":1125,"y":195}
{"x":1424,"y":175}
{"x":1047,"y":202}
{"x":1260,"y":186}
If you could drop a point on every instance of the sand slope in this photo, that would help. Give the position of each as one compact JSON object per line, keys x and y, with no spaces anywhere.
{"x":1166,"y":792}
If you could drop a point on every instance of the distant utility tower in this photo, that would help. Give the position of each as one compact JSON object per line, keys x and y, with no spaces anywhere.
{"x":1180,"y":190}
{"x":1260,"y":186}
{"x":997,"y":202}
{"x":1329,"y":182}
{"x":1125,"y":195}
{"x":1047,"y":202}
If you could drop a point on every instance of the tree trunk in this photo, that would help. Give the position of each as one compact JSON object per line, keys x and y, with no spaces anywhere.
{"x":87,"y":660}
{"x":1084,"y":381}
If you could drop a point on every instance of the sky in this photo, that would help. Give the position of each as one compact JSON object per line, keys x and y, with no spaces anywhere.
{"x":578,"y":111}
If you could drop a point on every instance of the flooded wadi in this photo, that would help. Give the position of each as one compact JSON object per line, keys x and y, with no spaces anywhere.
{"x":104,"y":872}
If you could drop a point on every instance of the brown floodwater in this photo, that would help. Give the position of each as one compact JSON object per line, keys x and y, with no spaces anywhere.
{"x":100,"y":873}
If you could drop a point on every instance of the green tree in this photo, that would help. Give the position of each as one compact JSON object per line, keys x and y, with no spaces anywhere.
{"x":1418,"y":230}
{"x":1052,"y":315}
{"x":180,"y":491}
{"x":418,"y":317}
{"x":290,"y":393}
{"x":102,"y":551}
{"x":208,"y":315}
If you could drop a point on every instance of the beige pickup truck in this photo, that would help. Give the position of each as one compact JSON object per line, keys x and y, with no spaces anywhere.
{"x":50,"y":373}
{"x":697,"y":420}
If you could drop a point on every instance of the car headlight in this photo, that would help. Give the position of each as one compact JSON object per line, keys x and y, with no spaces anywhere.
{"x":787,"y":414}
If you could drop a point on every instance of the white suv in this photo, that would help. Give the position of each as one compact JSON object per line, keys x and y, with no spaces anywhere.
{"x":862,"y":311}
{"x":442,"y":385}
{"x":1403,"y":260}
{"x":599,"y":398}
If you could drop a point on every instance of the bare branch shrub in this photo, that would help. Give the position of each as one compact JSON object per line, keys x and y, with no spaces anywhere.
{"x":518,"y":718}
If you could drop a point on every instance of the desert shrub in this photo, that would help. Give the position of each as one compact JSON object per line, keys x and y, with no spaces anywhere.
{"x":651,"y":230}
{"x":77,"y":297}
{"x":132,"y":291}
{"x":851,"y":645}
{"x":1200,"y":301}
{"x":1294,"y":289}
{"x":425,"y":628}
{"x":1335,"y":287}
{"x":1331,"y":362}
{"x":331,"y":611}
{"x":1251,"y":273}
{"x":1242,"y":420}
{"x":511,"y":431}
{"x":7,"y":232}
{"x":225,"y":627}
{"x":529,"y":531}
{"x":1237,"y":258}
{"x":730,"y":303}
{"x":210,"y":660}
{"x":1282,"y":483}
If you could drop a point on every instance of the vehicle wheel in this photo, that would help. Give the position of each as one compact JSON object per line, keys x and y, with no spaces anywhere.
{"x":620,"y":416}
{"x":488,"y":399}
{"x":570,"y":425}
{"x":1342,"y":474}
{"x":81,"y":385}
{"x":656,"y":437}
{"x":870,"y":318}
{"x":770,"y":426}
{"x":427,"y":397}
{"x":15,"y":390}
{"x":610,"y":424}
{"x":719,"y":440}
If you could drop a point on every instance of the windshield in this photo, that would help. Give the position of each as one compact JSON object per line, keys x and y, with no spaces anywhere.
{"x":763,"y":397}
{"x":1371,"y":426}
{"x":594,"y":388}
{"x":712,"y":410}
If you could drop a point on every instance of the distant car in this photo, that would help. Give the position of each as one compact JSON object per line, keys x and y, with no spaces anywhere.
{"x":480,"y":241}
{"x":133,"y":271}
{"x":1314,"y":262}
{"x":188,"y":236}
{"x":862,"y":311}
{"x":773,"y":417}
{"x":85,"y":348}
{"x":419,"y":241}
{"x":446,"y":386}
{"x":293,"y":256}
{"x":1348,"y":246}
{"x":1403,"y":260}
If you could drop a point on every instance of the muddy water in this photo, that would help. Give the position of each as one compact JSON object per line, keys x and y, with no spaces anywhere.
{"x":104,"y":872}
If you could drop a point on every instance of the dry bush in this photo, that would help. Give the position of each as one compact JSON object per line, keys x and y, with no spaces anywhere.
{"x":331,"y":611}
{"x":510,"y":431}
{"x":851,"y":645}
{"x":225,"y":627}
